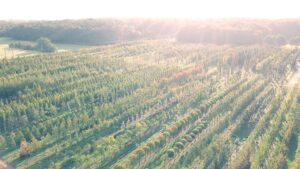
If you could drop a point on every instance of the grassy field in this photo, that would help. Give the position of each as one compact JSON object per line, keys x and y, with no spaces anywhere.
{"x":6,"y":52}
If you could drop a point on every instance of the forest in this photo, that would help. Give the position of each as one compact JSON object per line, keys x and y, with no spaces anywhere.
{"x":108,"y":31}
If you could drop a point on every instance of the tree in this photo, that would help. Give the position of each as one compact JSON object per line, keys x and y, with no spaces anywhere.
{"x":27,"y":133}
{"x":11,"y":140}
{"x":71,"y":163}
{"x":53,"y":165}
{"x":93,"y":147}
{"x":24,"y":149}
{"x":2,"y":142}
{"x":22,"y":45}
{"x":34,"y":144}
{"x":45,"y":45}
{"x":295,"y":40}
{"x":36,"y":132}
{"x":275,"y":40}
{"x":19,"y":136}
{"x":179,"y":145}
{"x":170,"y":153}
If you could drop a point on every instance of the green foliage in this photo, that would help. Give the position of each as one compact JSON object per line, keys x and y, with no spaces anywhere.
{"x":275,"y":40}
{"x":11,"y":141}
{"x":2,"y":142}
{"x":150,"y":104}
{"x":103,"y":31}
{"x":171,"y":153}
{"x":23,"y":45}
{"x":45,"y":45}
{"x":70,"y":163}
{"x":295,"y":40}
{"x":42,"y":44}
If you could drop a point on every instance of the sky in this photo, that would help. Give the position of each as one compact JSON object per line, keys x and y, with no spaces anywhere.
{"x":203,"y":9}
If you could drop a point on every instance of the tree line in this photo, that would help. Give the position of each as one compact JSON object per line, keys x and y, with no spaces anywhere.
{"x":42,"y":44}
{"x":104,"y":31}
{"x":241,"y":32}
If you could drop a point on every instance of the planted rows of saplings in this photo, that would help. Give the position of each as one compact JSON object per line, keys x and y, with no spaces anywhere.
{"x":226,"y":148}
{"x":296,"y":162}
{"x":82,"y":99}
{"x":236,"y":111}
{"x":217,"y":102}
{"x":224,"y":144}
{"x":22,"y":68}
{"x":243,"y":159}
{"x":227,"y":113}
{"x":38,"y":106}
{"x":264,"y":146}
{"x":73,"y":123}
{"x":62,"y":65}
{"x":177,"y":98}
{"x":77,"y":125}
{"x":279,"y":64}
{"x":68,"y":57}
{"x":164,"y":117}
{"x":287,"y":134}
{"x":190,"y":127}
{"x":141,"y":117}
{"x":95,"y":108}
{"x":190,"y":121}
{"x":17,"y":102}
{"x":74,"y":105}
{"x":262,"y":122}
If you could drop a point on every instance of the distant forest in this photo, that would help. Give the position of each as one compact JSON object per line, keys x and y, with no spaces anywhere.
{"x":104,"y":31}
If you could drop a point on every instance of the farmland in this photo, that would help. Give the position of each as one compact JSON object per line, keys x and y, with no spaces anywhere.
{"x":152,"y":104}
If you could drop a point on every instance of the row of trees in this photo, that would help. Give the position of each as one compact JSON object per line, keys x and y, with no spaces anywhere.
{"x":103,"y":31}
{"x":90,"y":31}
{"x":42,"y":44}
{"x":234,"y":36}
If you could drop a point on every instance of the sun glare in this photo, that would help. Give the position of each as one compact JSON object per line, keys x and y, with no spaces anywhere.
{"x":57,"y":9}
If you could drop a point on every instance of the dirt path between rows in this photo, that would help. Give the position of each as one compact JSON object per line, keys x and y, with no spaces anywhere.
{"x":2,"y":165}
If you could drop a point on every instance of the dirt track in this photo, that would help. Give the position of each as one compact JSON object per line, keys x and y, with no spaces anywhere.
{"x":2,"y":165}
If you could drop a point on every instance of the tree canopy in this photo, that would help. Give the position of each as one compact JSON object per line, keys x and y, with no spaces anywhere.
{"x":104,"y":31}
{"x":42,"y":44}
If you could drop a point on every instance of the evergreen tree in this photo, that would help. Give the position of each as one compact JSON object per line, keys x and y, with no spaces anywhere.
{"x":11,"y":140}
{"x":2,"y":142}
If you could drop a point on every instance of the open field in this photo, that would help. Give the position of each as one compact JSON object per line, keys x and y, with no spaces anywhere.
{"x":153,"y":104}
{"x":6,"y":52}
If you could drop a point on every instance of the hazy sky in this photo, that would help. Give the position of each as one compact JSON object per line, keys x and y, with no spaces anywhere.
{"x":74,"y":9}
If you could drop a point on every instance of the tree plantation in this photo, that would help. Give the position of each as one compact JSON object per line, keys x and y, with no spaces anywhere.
{"x":152,"y":104}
